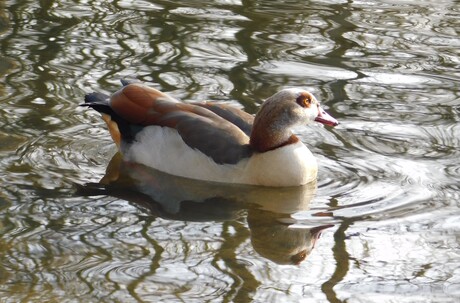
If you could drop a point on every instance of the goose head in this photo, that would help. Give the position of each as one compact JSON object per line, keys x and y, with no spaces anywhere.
{"x":283,"y":111}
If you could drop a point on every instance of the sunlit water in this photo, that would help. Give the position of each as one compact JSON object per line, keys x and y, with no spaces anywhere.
{"x":387,"y":196}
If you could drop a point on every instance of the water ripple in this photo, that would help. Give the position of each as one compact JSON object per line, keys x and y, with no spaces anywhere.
{"x":388,"y":180}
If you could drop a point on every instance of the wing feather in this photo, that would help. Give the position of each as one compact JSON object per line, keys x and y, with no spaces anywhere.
{"x":219,"y":131}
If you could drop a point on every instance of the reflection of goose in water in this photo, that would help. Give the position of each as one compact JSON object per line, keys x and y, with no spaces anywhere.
{"x":184,"y":199}
{"x":210,"y":141}
{"x":278,"y":242}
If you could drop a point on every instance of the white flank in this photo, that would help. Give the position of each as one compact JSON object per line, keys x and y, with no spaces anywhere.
{"x":162,"y":148}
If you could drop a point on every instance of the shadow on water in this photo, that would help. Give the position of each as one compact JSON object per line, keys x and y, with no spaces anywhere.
{"x":266,"y":210}
{"x":175,"y":198}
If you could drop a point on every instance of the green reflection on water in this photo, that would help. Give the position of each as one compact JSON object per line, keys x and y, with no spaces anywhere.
{"x":388,"y":181}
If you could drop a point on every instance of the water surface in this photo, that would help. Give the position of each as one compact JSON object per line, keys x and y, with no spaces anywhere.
{"x":78,"y":225}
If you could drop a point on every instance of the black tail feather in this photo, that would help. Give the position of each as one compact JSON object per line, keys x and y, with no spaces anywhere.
{"x":100,"y":103}
{"x":125,"y":82}
{"x":96,"y":98}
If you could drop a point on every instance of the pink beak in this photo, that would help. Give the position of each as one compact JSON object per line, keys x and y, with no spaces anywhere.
{"x":325,"y":118}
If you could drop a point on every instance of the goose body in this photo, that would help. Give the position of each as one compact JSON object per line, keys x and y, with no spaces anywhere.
{"x":210,"y":141}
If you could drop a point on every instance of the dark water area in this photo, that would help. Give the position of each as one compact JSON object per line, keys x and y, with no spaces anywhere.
{"x":381,"y":224}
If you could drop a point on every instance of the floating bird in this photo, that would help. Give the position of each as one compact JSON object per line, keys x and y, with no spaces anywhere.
{"x":211,"y":141}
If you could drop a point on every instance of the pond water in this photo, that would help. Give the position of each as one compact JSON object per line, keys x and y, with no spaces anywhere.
{"x":79,"y":225}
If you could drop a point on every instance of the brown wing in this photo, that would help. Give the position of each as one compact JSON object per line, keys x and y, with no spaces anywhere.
{"x":199,"y":126}
{"x":234,"y":115}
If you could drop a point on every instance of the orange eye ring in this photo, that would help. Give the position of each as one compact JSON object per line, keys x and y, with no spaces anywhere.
{"x":304,"y":100}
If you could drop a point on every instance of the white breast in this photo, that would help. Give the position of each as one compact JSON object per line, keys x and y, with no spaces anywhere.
{"x":163,"y":148}
{"x":291,"y":165}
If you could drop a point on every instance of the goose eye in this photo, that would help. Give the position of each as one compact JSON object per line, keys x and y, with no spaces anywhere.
{"x":304,"y":100}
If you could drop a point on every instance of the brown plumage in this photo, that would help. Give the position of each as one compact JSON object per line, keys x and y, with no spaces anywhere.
{"x":195,"y":139}
{"x":195,"y":122}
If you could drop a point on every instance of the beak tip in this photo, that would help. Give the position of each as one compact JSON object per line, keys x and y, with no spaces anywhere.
{"x":326,"y":119}
{"x":329,"y":121}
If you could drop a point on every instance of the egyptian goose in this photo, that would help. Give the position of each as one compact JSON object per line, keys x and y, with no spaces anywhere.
{"x":210,"y":141}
